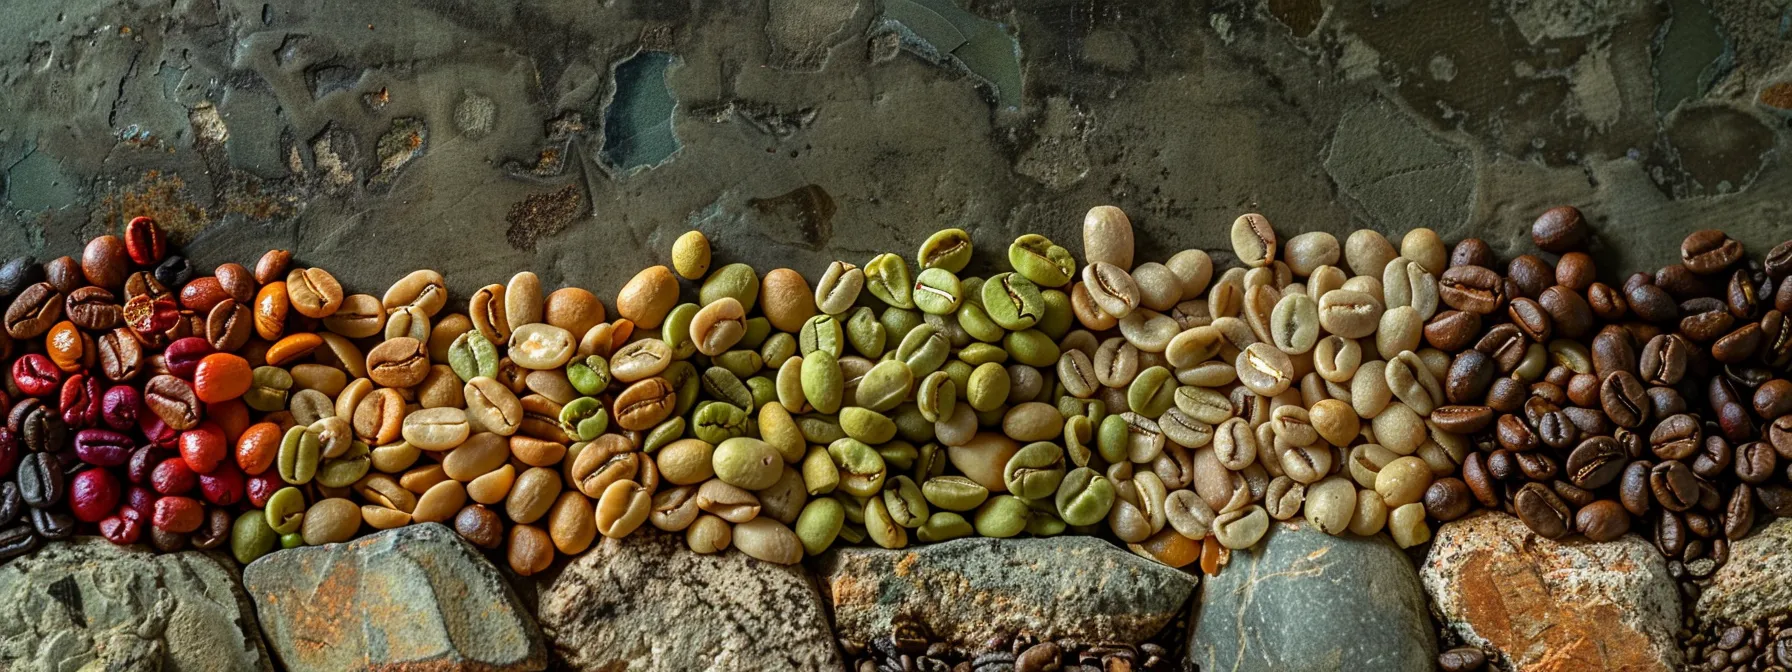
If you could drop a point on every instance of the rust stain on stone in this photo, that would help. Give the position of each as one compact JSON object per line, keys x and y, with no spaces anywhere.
{"x":1778,"y":95}
{"x":160,"y":196}
{"x":1514,"y":608}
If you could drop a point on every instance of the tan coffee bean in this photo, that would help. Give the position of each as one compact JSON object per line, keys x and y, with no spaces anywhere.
{"x":1335,"y":421}
{"x":1253,"y":240}
{"x":1400,"y":331}
{"x":439,"y":501}
{"x":1307,"y":464}
{"x":686,"y":461}
{"x":1406,"y":524}
{"x":331,"y":521}
{"x":573,"y":309}
{"x":1111,"y":288}
{"x":719,"y":325}
{"x":533,"y":494}
{"x":983,"y":458}
{"x":382,"y":518}
{"x":571,"y":523}
{"x":492,"y":407}
{"x":1149,"y":330}
{"x":492,"y":487}
{"x":839,"y":288}
{"x":1194,"y":268}
{"x":1412,"y":382}
{"x":708,"y":534}
{"x":1348,"y":313}
{"x":1308,"y":251}
{"x":1107,"y":237}
{"x":1292,"y":425}
{"x":313,"y":292}
{"x":645,"y":404}
{"x":541,"y":346}
{"x":1371,"y":514}
{"x":400,"y":362}
{"x":1032,"y":421}
{"x":537,"y":452}
{"x":359,"y":316}
{"x":648,"y":296}
{"x":1407,"y":283}
{"x":1116,"y":363}
{"x":733,"y":504}
{"x":436,"y":428}
{"x":522,"y":299}
{"x":622,"y":509}
{"x":1425,"y":247}
{"x":1234,"y":445}
{"x":1367,"y":252}
{"x":768,"y":540}
{"x":424,"y":289}
{"x":1369,"y":392}
{"x":1331,"y":504}
{"x":488,"y":313}
{"x":379,"y":417}
{"x":1399,"y":428}
{"x":1294,"y":324}
{"x":1188,"y":514}
{"x":1264,"y":369}
{"x":675,"y":509}
{"x":1403,"y":481}
{"x":408,"y":322}
{"x":530,"y":550}
{"x":1242,"y":528}
{"x":1159,"y":288}
{"x":785,"y":299}
{"x":1087,"y":312}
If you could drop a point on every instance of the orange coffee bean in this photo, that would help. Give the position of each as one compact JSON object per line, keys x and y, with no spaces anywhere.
{"x":294,"y":346}
{"x":64,"y":345}
{"x":258,"y":447}
{"x":221,"y":376}
{"x":271,"y":305}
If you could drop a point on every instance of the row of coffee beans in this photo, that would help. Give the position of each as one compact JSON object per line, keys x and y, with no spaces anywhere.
{"x":1174,"y":407}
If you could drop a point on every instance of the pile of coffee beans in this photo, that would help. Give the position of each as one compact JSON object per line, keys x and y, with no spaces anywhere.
{"x":1175,"y":407}
{"x":912,"y":649}
{"x":1765,"y":646}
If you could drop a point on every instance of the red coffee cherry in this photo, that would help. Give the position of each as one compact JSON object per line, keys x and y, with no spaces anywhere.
{"x":123,"y":528}
{"x":145,"y":242}
{"x":140,"y":499}
{"x":261,"y":487}
{"x":183,"y":356}
{"x":80,"y":401}
{"x":173,"y":477}
{"x":36,"y":375}
{"x":224,"y":486}
{"x":204,"y":447}
{"x":94,"y":495}
{"x":179,"y":515}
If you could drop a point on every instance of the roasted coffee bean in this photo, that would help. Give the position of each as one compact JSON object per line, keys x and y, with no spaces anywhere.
{"x":1738,"y":345}
{"x":36,"y":426}
{"x":1462,"y":659}
{"x":1452,"y":330}
{"x":1624,"y":400}
{"x":1560,"y":229}
{"x":1557,"y":431}
{"x":1536,"y":466}
{"x":1476,"y":252}
{"x":1633,"y":488}
{"x":1709,"y":251}
{"x":1742,"y":296}
{"x":1514,"y":435}
{"x":1664,"y":360}
{"x":1739,"y":512}
{"x":1506,"y":395}
{"x":1471,"y":373}
{"x":1776,"y":339}
{"x":1481,"y":484}
{"x":1596,"y":462}
{"x":1542,"y":510}
{"x":1613,"y":349}
{"x":1448,"y":499}
{"x":1602,"y":520}
{"x":34,"y":311}
{"x":1755,"y":462}
{"x":1505,"y":345}
{"x":1674,"y":485}
{"x":1607,"y":303}
{"x":1530,"y":275}
{"x":1652,"y":304}
{"x":172,"y":400}
{"x":41,"y":480}
{"x":1471,"y":288}
{"x":1570,"y":314}
{"x":1530,"y":318}
{"x":1462,"y":419}
{"x":1677,"y":437}
{"x":1681,"y":282}
{"x":1671,"y":535}
{"x":1714,"y":457}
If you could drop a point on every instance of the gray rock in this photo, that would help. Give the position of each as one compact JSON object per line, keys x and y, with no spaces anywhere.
{"x":1308,"y":601}
{"x":416,"y":597}
{"x":646,"y":603}
{"x":91,"y":605}
{"x":969,"y":590}
{"x":1757,"y":581}
{"x":1553,"y":606}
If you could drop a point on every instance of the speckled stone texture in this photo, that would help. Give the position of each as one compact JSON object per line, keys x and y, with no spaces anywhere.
{"x":968,"y":591}
{"x":1306,"y":601}
{"x":1756,"y":583}
{"x":1554,"y":606}
{"x":91,"y":605}
{"x":646,"y":603}
{"x":414,"y":598}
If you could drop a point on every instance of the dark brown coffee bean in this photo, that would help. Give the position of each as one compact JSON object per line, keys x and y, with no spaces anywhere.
{"x":1709,"y":251}
{"x":1681,"y":283}
{"x":1557,"y":377}
{"x":1575,"y":270}
{"x":1614,"y":349}
{"x":1734,"y":422}
{"x":64,"y":274}
{"x":172,"y":400}
{"x":17,"y":540}
{"x":1636,"y":446}
{"x":1665,"y":401}
{"x":1506,"y":395}
{"x":1779,"y":435}
{"x":1714,"y":457}
{"x":34,"y":311}
{"x":93,"y":309}
{"x":1773,"y":398}
{"x":1742,"y":296}
{"x":12,"y":504}
{"x":1739,"y":512}
{"x":1633,"y":488}
{"x":1608,"y":304}
{"x":1583,"y":390}
{"x":229,"y":325}
{"x":1472,"y":252}
{"x":1555,"y":430}
{"x":1591,"y":421}
{"x":1674,"y":486}
{"x":1471,"y":372}
{"x":1570,"y":314}
{"x":1782,"y":296}
{"x":1536,"y":466}
{"x":1664,"y":360}
{"x":1778,"y":264}
{"x":105,"y":261}
{"x":52,"y":524}
{"x":1447,"y":499}
{"x":1502,"y":465}
{"x":1596,"y":462}
{"x":1603,"y":520}
{"x":1776,"y":498}
{"x":1538,"y":405}
{"x":1755,"y":462}
{"x":1739,"y":345}
{"x":1505,"y":344}
{"x":1776,"y":339}
{"x":1624,"y":400}
{"x":18,"y":273}
{"x":1676,"y":438}
{"x":1574,"y":495}
{"x":1560,"y":229}
{"x":1471,"y":288}
{"x":41,"y":480}
{"x":1530,"y":318}
{"x":120,"y":355}
{"x":1452,"y":330}
{"x":1671,"y":534}
{"x":1462,"y":419}
{"x":1462,"y":659}
{"x":1481,"y":484}
{"x":1543,"y":511}
{"x":37,"y":427}
{"x":1513,"y":435}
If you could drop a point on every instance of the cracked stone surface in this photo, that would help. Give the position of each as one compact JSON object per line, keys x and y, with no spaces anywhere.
{"x":1757,"y":581}
{"x":91,"y":605}
{"x":1309,"y":601}
{"x":645,"y":603}
{"x":471,"y":137}
{"x":416,"y":597}
{"x":969,"y":591}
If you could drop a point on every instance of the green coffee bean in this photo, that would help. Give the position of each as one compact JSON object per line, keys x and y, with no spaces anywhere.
{"x":881,"y":527}
{"x":823,"y":383}
{"x":758,"y":329}
{"x":853,"y":533}
{"x":1043,"y":523}
{"x":1012,"y":301}
{"x":954,"y":493}
{"x":343,"y":470}
{"x":778,"y":428}
{"x":935,"y":396}
{"x":898,"y":322}
{"x":589,"y":375}
{"x":819,"y":524}
{"x":822,"y":333}
{"x":1084,"y":496}
{"x":741,"y":363}
{"x":987,"y":388}
{"x":976,"y":322}
{"x":886,"y":275}
{"x":778,"y":347}
{"x":867,"y":425}
{"x":764,"y":390}
{"x":1078,"y":439}
{"x":285,"y":510}
{"x":904,"y":502}
{"x":1031,"y":347}
{"x":862,"y":470}
{"x":822,"y":429}
{"x":885,"y":386}
{"x":268,"y":389}
{"x":1002,"y":516}
{"x":930,"y":462}
{"x":897,"y":454}
{"x":662,"y":434}
{"x":1038,"y":259}
{"x":676,"y":330}
{"x":471,"y":356}
{"x":978,"y":354}
{"x":682,"y":376}
{"x":1035,"y":471}
{"x":938,"y":291}
{"x":584,"y":418}
{"x":944,"y":526}
{"x":820,"y":476}
{"x":298,"y":455}
{"x":251,"y":538}
{"x":723,"y":385}
{"x":924,"y":349}
{"x":719,"y":421}
{"x":946,"y":249}
{"x":866,"y":335}
{"x":747,"y":462}
{"x":1111,"y":437}
{"x":292,"y":540}
{"x":1203,"y":404}
{"x":1152,"y":392}
{"x":959,"y":373}
{"x":739,"y":281}
{"x":1058,"y":318}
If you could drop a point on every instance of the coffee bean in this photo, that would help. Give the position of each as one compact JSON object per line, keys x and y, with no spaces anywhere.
{"x":1452,"y":330}
{"x":1652,"y":304}
{"x":1739,"y":512}
{"x":1560,"y":229}
{"x":1529,"y":275}
{"x":1462,"y":419}
{"x":1677,"y":437}
{"x":1607,"y":303}
{"x":1755,"y":462}
{"x":1714,"y":457}
{"x":1480,"y":483}
{"x":1575,"y":270}
{"x":1614,"y":349}
{"x":17,"y":273}
{"x":1674,"y":486}
{"x":1671,"y":534}
{"x":1738,"y":345}
{"x":1530,"y":318}
{"x":1742,"y":295}
{"x":1471,"y":373}
{"x":1505,"y":344}
{"x":1506,"y":395}
{"x":1447,"y":499}
{"x":41,"y":481}
{"x":1472,"y":288}
{"x":1542,"y":510}
{"x":34,"y":311}
{"x":1603,"y":520}
{"x":1572,"y":317}
{"x":1513,"y":434}
{"x":1596,"y":462}
{"x":1536,"y":466}
{"x":1633,"y":488}
{"x":1709,"y":251}
{"x":1476,"y":252}
{"x":1624,"y":399}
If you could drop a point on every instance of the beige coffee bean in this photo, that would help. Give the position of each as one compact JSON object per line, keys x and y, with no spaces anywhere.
{"x":551,"y":384}
{"x":1259,"y":306}
{"x":1365,"y":463}
{"x":1111,"y":288}
{"x":1191,"y":347}
{"x":1159,"y":288}
{"x":330,"y":521}
{"x":1412,"y":382}
{"x":1264,"y":369}
{"x":644,"y":404}
{"x":1226,"y":297}
{"x":436,"y":428}
{"x":488,"y":313}
{"x":360,"y":316}
{"x":1292,"y":425}
{"x":1148,"y":330}
{"x":1234,"y":444}
{"x":1188,"y":514}
{"x":1403,"y":481}
{"x":1087,"y":312}
{"x":768,"y":540}
{"x":1406,"y":524}
{"x":786,"y":497}
{"x":408,"y":321}
{"x":522,"y":299}
{"x":839,"y":288}
{"x":733,"y":504}
{"x":686,"y":461}
{"x":1194,"y":269}
{"x":1399,"y":428}
{"x":1253,"y":240}
{"x":571,"y":523}
{"x":1331,"y":504}
{"x":1307,"y":464}
{"x":1425,"y":247}
{"x":1294,"y":324}
{"x":423,"y":288}
{"x":1077,"y":372}
{"x":492,"y":487}
{"x":1306,"y":252}
{"x":1401,"y":330}
{"x":1107,"y":237}
{"x":1368,"y":252}
{"x":642,"y":359}
{"x":541,"y":346}
{"x":1235,"y":336}
{"x":1184,"y":430}
{"x":1371,"y":514}
{"x":1335,"y":421}
{"x":382,"y":518}
{"x":1241,"y":528}
{"x":1203,"y":404}
{"x":492,"y":407}
{"x":648,"y":296}
{"x":622,"y":509}
{"x":1283,"y":498}
{"x":441,"y":388}
{"x":1208,"y":374}
{"x":439,"y":502}
{"x":1407,"y":283}
{"x":533,"y":494}
{"x":1032,"y":421}
{"x":983,"y":458}
{"x":1349,"y":313}
{"x":1116,"y":363}
{"x":1211,"y":480}
{"x":785,"y":299}
{"x":675,"y":509}
{"x":1369,"y":393}
{"x":719,"y":325}
{"x":959,"y":428}
{"x":708,"y":534}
